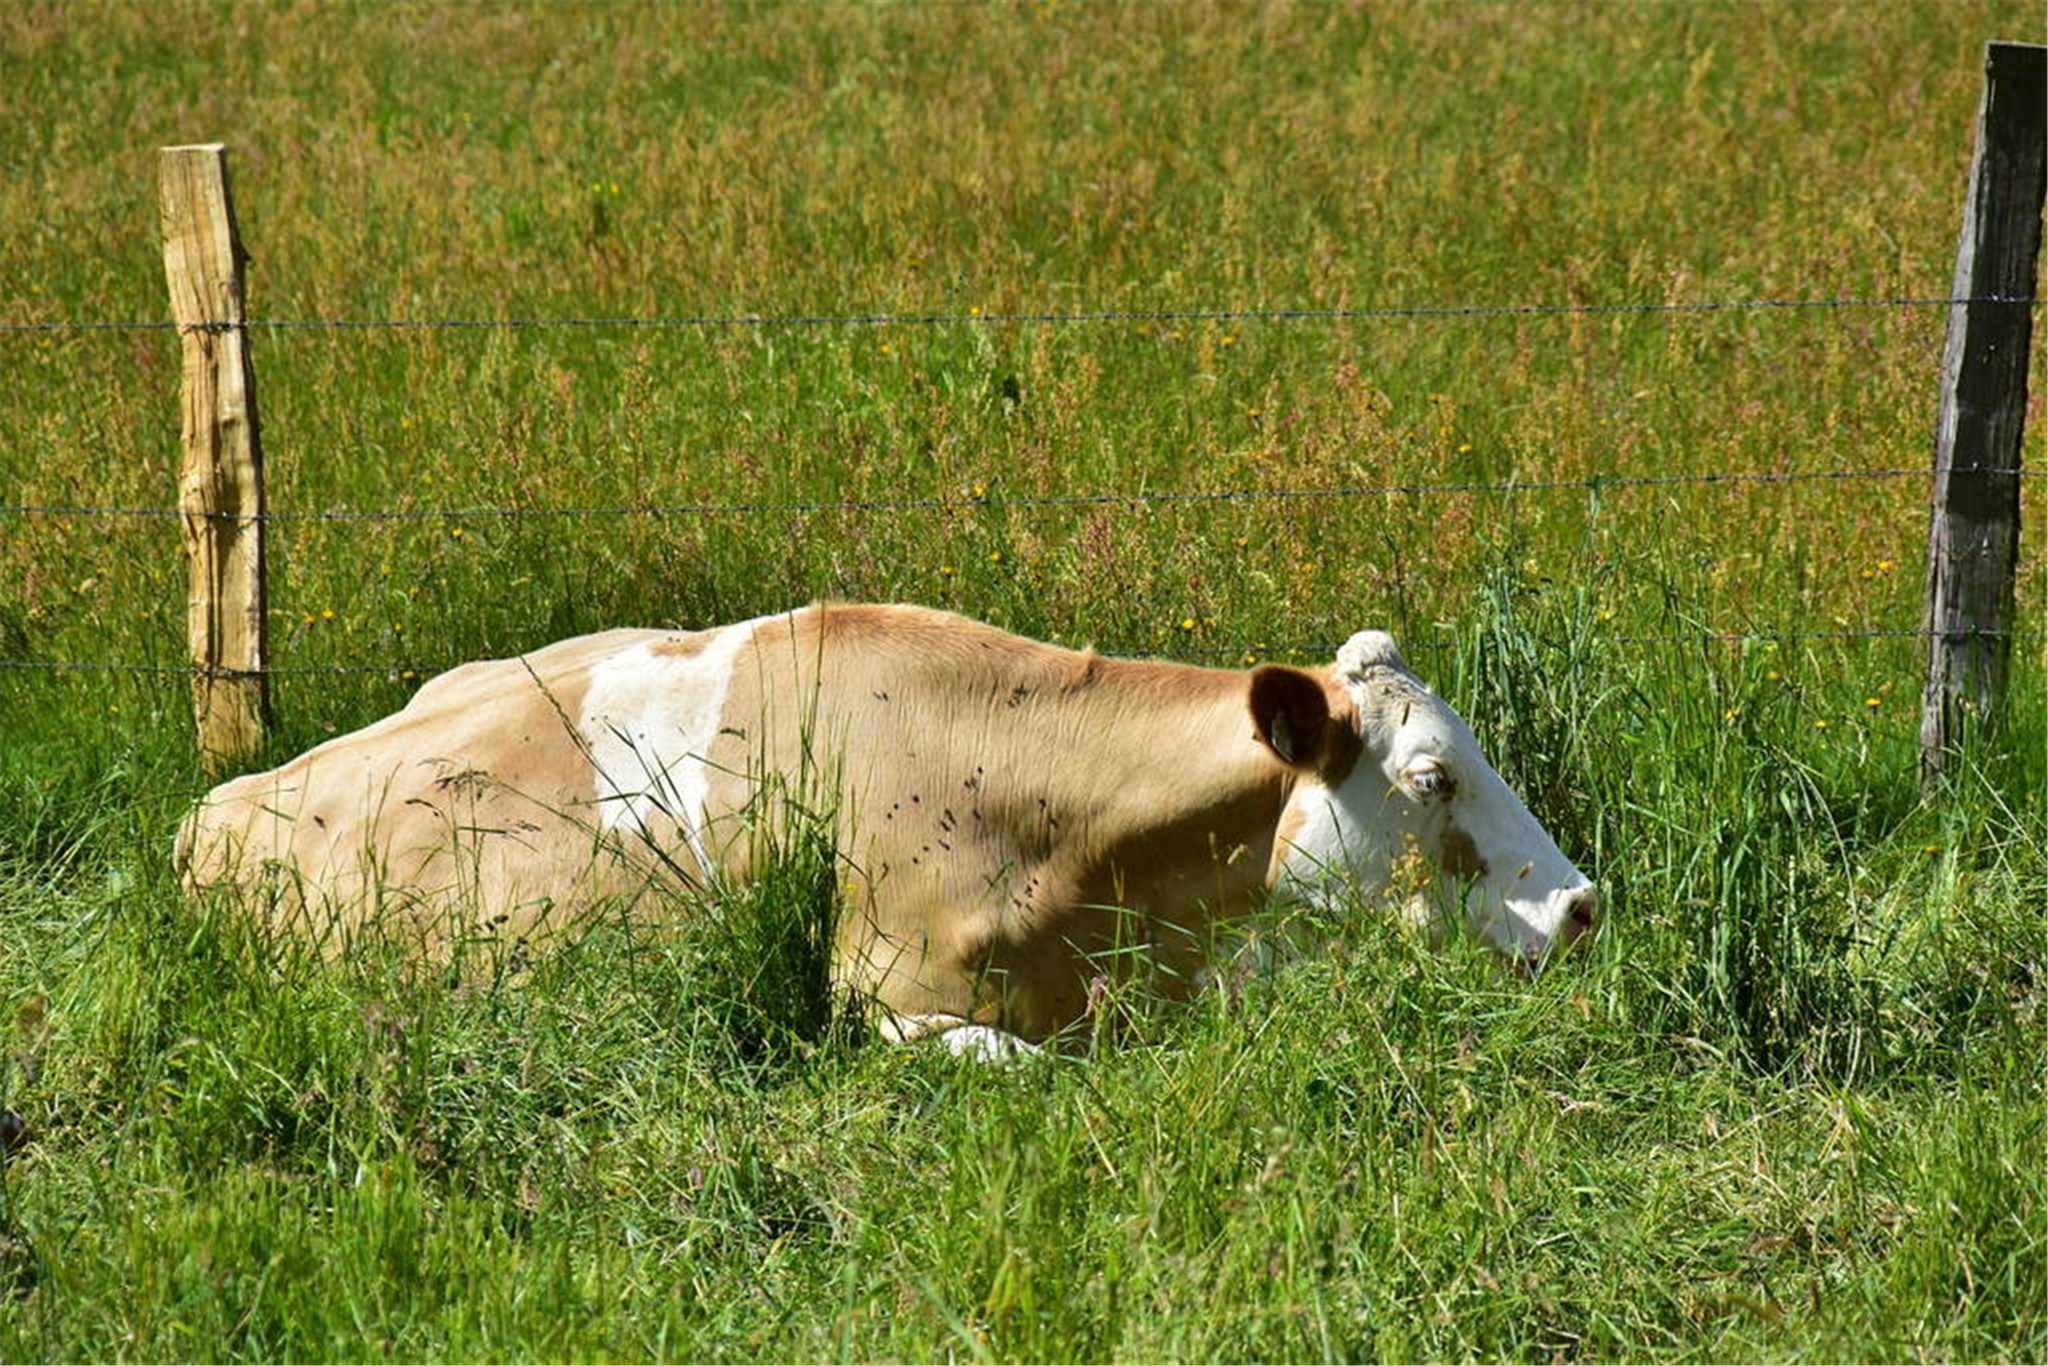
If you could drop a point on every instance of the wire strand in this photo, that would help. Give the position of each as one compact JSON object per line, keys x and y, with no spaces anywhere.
{"x":712,"y":321}
{"x":1597,"y":482}
{"x":414,"y":669}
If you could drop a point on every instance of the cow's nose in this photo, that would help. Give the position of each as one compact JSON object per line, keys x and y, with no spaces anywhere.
{"x":1581,"y":914}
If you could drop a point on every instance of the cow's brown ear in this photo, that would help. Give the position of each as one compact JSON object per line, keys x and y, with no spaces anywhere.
{"x":1291,"y":714}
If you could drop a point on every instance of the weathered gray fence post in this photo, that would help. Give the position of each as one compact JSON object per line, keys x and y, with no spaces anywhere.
{"x":1974,"y":526}
{"x":220,"y":484}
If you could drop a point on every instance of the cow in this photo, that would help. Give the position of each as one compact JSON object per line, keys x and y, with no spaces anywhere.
{"x":1008,"y":816}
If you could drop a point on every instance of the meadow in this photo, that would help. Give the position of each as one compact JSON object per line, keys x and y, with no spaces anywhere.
{"x":1788,"y":1105}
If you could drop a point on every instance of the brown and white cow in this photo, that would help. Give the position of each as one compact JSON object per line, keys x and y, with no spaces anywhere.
{"x":1009,"y":815}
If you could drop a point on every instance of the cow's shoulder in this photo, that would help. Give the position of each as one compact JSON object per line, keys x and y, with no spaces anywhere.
{"x":943,"y":644}
{"x":889,"y":628}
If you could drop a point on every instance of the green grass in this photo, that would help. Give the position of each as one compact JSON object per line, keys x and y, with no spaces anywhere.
{"x":1788,"y":1106}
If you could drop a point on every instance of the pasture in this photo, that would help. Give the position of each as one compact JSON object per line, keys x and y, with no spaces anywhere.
{"x":1787,"y":1105}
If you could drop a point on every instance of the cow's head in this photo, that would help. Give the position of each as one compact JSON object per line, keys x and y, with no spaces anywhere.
{"x":1415,"y":794}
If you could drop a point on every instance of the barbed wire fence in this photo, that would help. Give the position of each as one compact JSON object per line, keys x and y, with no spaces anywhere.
{"x":1591,"y":485}
{"x":1974,"y":500}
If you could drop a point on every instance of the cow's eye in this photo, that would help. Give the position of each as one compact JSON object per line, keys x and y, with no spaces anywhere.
{"x":1428,"y":780}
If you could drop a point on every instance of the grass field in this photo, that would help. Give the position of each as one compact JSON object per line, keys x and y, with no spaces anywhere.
{"x":1789,"y":1106}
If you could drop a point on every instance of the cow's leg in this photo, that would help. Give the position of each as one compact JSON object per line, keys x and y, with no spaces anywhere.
{"x":961,"y":1038}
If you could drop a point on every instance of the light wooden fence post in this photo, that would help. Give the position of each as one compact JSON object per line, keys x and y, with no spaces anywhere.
{"x":1974,"y":523}
{"x":220,"y":484}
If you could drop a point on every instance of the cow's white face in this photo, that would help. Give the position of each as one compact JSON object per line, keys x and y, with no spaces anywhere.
{"x":1423,"y":815}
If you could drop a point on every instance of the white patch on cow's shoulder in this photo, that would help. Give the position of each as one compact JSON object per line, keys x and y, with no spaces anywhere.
{"x":648,"y":721}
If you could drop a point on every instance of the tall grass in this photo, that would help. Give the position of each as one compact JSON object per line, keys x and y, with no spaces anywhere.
{"x":1789,"y":1103}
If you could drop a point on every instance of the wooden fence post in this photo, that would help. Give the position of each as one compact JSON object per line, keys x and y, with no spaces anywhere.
{"x":1974,"y":523}
{"x":220,"y":484}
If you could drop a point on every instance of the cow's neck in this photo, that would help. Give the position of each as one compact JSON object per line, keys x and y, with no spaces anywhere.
{"x":1201,"y":805}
